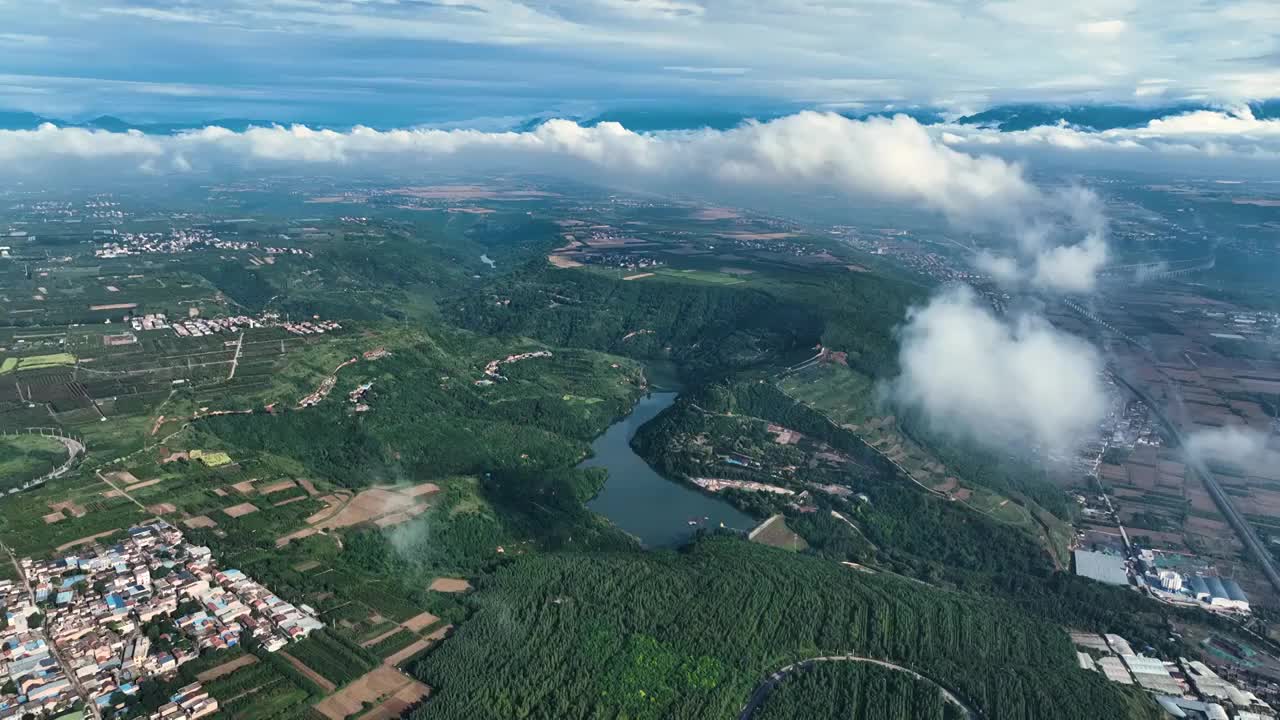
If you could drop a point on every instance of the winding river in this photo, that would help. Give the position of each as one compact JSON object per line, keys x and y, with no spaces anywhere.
{"x":641,"y":502}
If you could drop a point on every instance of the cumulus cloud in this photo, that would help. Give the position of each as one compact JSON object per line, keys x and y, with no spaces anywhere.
{"x":1071,"y":268}
{"x":974,"y":374}
{"x":896,"y":159}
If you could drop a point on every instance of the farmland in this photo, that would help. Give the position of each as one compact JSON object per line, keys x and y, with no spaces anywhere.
{"x":26,"y":457}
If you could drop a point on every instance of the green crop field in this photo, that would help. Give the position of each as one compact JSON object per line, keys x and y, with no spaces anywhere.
{"x":36,"y":362}
{"x":26,"y":457}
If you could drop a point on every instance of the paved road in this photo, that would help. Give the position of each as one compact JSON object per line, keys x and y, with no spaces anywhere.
{"x":767,"y":686}
{"x":1243,"y":530}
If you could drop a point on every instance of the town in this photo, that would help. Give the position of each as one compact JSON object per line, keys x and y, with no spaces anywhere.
{"x":86,"y":629}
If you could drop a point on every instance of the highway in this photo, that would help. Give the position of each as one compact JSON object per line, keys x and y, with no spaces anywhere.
{"x":1243,"y":530}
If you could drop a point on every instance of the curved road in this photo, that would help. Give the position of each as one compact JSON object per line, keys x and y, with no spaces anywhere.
{"x":767,"y":686}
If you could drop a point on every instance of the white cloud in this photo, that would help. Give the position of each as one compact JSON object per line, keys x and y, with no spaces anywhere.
{"x":1055,"y":238}
{"x":1001,"y":268}
{"x":23,"y":40}
{"x":691,"y":70}
{"x":1239,"y":446}
{"x":1105,"y":28}
{"x":1071,"y":268}
{"x":995,"y":380}
{"x":1224,"y":134}
{"x":811,"y":51}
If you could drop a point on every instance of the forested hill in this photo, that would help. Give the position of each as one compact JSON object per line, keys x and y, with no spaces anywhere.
{"x":703,"y":327}
{"x":690,"y":634}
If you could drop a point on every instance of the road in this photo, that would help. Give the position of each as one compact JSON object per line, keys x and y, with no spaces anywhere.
{"x":1243,"y":530}
{"x":235,"y":361}
{"x":118,"y":489}
{"x":767,"y":686}
{"x":53,"y":649}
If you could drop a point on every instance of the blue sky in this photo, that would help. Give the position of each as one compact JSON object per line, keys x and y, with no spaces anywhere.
{"x":402,"y":62}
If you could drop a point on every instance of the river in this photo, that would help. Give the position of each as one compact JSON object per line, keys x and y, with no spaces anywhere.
{"x":643,"y":503}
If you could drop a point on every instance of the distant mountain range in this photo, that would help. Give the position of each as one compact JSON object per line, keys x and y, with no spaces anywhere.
{"x":1006,"y":118}
{"x":10,"y":120}
{"x":1095,"y":117}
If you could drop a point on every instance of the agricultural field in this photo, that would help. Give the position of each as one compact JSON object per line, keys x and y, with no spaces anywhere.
{"x":26,"y":457}
{"x":60,"y":514}
{"x":259,"y":691}
{"x":36,"y":362}
{"x":337,"y":660}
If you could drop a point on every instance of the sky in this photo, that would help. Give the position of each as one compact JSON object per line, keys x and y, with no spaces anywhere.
{"x":411,"y":62}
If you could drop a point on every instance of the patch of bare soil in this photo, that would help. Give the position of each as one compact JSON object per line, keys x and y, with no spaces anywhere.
{"x":227,"y":668}
{"x":383,"y":682}
{"x":240,"y":510}
{"x":449,"y":585}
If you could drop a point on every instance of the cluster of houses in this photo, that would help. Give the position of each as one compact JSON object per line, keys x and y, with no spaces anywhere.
{"x":189,"y":703}
{"x":150,"y":321}
{"x":175,"y":241}
{"x":199,"y":327}
{"x":34,"y":682}
{"x":493,"y":366}
{"x":120,"y":614}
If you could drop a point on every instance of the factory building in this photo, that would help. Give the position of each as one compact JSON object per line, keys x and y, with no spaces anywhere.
{"x":1110,"y":569}
{"x":1170,"y":581}
{"x":1218,"y":593}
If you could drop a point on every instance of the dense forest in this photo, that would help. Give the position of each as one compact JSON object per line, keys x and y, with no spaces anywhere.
{"x":706,"y":328}
{"x":908,"y":530}
{"x":855,"y":691}
{"x":901,"y":528}
{"x":690,"y":634}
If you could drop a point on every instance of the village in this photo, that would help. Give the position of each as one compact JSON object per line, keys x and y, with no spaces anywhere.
{"x":88,"y":628}
{"x":178,"y":241}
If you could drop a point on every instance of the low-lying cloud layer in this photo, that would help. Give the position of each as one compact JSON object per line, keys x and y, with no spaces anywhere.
{"x":1239,"y":446}
{"x":1229,"y":134}
{"x":1056,"y":237}
{"x":997,"y":381}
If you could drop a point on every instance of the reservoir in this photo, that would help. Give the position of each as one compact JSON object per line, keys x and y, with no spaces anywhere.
{"x":643,"y":503}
